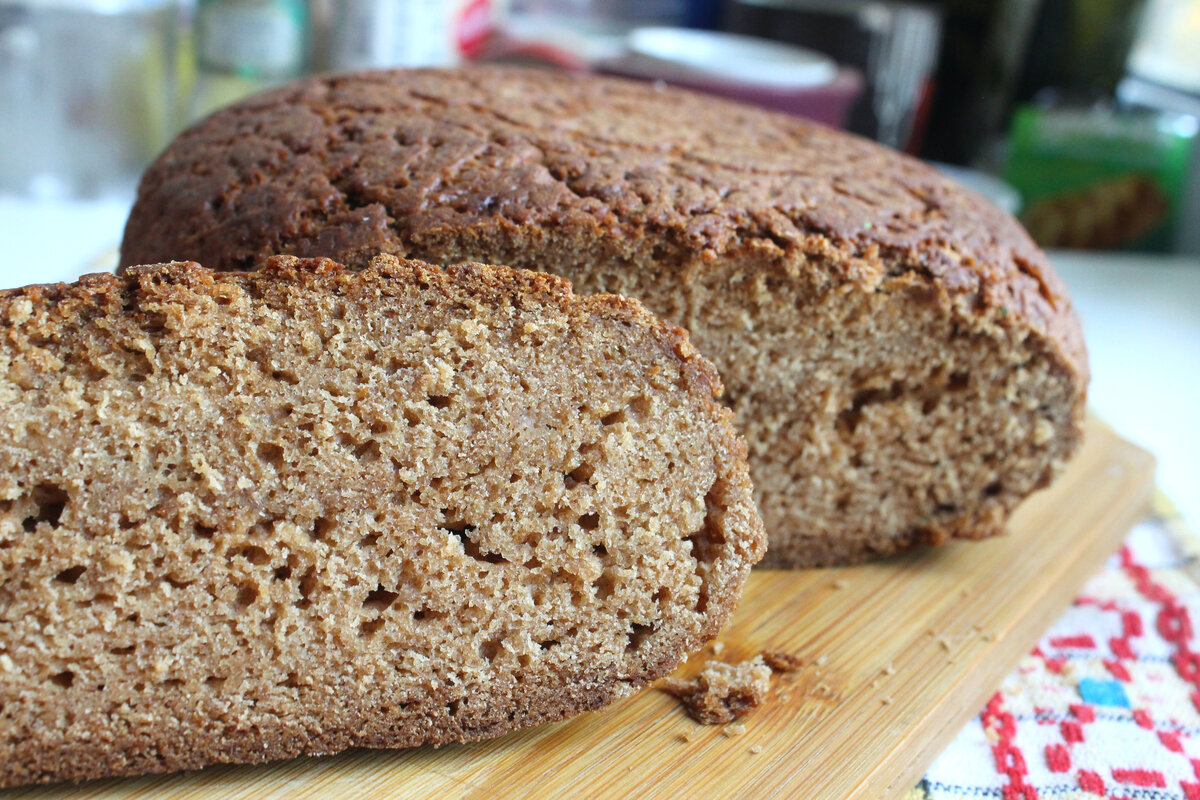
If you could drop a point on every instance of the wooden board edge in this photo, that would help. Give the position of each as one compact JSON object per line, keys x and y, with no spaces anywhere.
{"x":938,"y":729}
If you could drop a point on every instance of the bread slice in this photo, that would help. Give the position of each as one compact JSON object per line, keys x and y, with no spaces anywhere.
{"x":903,"y":361}
{"x":249,"y":517}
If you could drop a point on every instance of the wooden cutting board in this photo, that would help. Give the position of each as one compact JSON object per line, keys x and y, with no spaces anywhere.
{"x":898,"y":656}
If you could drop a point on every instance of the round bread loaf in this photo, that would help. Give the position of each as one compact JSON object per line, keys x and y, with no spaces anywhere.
{"x":902,"y":360}
{"x":253,"y":516}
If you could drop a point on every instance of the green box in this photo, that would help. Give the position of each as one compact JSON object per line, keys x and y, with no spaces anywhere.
{"x":1098,"y":179}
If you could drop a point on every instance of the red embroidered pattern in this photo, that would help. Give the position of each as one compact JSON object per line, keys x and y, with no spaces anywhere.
{"x":1107,"y":705}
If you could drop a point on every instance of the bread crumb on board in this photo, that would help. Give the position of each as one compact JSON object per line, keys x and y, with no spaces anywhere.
{"x":781,"y":662}
{"x":722,"y":692}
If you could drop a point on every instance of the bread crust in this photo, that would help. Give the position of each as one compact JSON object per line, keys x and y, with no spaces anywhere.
{"x":619,"y":186}
{"x":781,"y":181}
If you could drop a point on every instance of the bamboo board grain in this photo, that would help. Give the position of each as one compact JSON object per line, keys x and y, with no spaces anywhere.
{"x":899,"y":655}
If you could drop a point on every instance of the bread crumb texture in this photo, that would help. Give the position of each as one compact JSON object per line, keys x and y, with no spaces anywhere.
{"x":902,"y":359}
{"x":251,"y":516}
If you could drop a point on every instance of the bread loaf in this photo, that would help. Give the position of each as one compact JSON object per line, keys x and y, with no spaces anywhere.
{"x":901,"y":358}
{"x":253,"y":516}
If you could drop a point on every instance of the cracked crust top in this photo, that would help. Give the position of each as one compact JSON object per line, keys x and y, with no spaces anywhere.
{"x":486,"y":161}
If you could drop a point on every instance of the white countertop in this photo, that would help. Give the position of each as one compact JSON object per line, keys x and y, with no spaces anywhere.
{"x":1141,"y":317}
{"x":1141,"y":321}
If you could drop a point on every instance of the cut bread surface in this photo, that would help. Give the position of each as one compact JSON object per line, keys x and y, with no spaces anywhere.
{"x":904,"y":363}
{"x":885,"y":411}
{"x":248,"y":517}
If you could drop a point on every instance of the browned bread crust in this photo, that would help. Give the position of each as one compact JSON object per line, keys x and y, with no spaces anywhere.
{"x":905,"y":364}
{"x":252,"y":516}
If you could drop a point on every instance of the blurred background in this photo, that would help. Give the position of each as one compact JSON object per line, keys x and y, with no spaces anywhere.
{"x":1078,"y":115}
